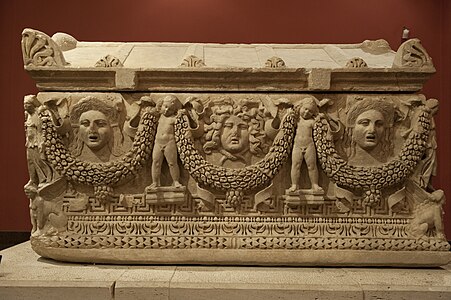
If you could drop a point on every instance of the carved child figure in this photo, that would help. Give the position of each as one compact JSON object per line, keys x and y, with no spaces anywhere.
{"x":165,"y":146}
{"x":304,"y":147}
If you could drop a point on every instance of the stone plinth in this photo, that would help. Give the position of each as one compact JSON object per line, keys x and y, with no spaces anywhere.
{"x":25,"y":275}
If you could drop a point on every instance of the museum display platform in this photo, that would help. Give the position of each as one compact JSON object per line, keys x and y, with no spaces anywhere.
{"x":25,"y":275}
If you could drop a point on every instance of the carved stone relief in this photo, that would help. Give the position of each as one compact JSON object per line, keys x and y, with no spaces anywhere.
{"x":227,"y":156}
{"x":230,"y":172}
{"x":412,"y":54}
{"x":356,"y":62}
{"x":108,"y":61}
{"x":38,"y":49}
{"x":192,"y":61}
{"x":275,"y":62}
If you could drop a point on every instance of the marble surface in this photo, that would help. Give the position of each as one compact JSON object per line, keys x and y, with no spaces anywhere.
{"x":154,"y":66}
{"x":25,"y":275}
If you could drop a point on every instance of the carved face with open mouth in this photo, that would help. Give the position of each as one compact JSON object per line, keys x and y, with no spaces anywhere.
{"x":369,"y":128}
{"x":235,"y":135}
{"x":95,"y":130}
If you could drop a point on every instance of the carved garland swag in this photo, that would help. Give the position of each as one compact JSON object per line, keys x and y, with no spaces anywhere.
{"x":104,"y":175}
{"x":371,"y":180}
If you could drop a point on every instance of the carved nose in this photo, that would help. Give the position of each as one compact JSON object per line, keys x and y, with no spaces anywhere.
{"x":235,"y":131}
{"x":92,"y":127}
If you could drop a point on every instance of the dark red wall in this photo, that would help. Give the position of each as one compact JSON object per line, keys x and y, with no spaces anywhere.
{"x":224,"y":21}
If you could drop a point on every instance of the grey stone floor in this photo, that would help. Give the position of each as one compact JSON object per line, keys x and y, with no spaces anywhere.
{"x":25,"y":275}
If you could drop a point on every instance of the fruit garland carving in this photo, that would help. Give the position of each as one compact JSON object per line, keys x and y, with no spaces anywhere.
{"x":99,"y":175}
{"x":371,"y":180}
{"x":234,"y":181}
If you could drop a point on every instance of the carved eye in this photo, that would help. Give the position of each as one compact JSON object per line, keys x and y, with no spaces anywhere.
{"x":228,"y":125}
{"x":84,"y":123}
{"x":243,"y":126}
{"x":101,"y":123}
{"x":379,"y":123}
{"x":364,"y":122}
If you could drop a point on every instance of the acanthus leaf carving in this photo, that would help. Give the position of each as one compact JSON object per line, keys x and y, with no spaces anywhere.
{"x":275,"y":62}
{"x":192,"y":61}
{"x":109,"y":61}
{"x":356,"y":62}
{"x":412,"y":54}
{"x":39,"y":50}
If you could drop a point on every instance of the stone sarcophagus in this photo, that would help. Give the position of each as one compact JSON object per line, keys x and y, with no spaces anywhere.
{"x":232,"y":154}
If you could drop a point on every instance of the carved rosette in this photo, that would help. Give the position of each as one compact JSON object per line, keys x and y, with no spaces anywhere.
{"x":39,"y":50}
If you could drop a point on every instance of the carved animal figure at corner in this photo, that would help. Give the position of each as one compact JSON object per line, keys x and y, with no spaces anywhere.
{"x":45,"y":209}
{"x":165,"y":146}
{"x":428,"y":215}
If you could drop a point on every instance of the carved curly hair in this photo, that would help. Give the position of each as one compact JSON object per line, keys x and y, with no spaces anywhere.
{"x":245,"y":110}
